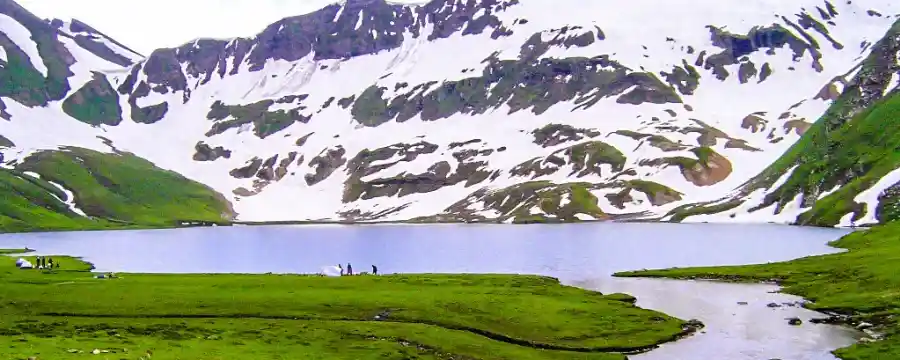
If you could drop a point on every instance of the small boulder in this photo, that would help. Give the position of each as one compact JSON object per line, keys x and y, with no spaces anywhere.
{"x":742,"y":303}
{"x":864,"y":325}
{"x":96,"y":352}
{"x":795,"y":321}
{"x":773,"y":305}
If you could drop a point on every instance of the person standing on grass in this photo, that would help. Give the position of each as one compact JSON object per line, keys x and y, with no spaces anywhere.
{"x":374,"y":270}
{"x":341,"y":268}
{"x":349,"y":269}
{"x":50,"y":262}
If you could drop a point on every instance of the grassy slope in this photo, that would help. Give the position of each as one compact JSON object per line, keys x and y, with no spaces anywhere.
{"x":31,"y":204}
{"x":864,"y":283}
{"x":120,"y":190}
{"x":292,"y":317}
{"x":852,"y":146}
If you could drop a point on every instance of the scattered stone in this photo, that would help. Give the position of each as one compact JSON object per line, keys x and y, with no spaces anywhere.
{"x":742,"y":303}
{"x":795,"y":321}
{"x":383,"y":315}
{"x":213,"y":337}
{"x":72,"y":351}
{"x":693,"y":324}
{"x":773,"y":305}
{"x":96,"y":352}
{"x":872,"y":334}
{"x":864,"y":325}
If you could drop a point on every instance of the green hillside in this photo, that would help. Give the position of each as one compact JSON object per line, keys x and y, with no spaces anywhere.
{"x":112,"y":190}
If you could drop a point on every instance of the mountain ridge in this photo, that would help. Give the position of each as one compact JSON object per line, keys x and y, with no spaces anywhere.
{"x":472,"y":111}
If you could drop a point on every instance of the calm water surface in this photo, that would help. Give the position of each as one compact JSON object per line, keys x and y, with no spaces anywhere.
{"x":578,"y":254}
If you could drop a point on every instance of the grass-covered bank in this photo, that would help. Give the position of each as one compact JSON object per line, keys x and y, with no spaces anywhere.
{"x":861,"y":286}
{"x":80,"y":189}
{"x":67,"y":313}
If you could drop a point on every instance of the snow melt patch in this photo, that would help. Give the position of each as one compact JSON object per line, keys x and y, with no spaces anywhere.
{"x":21,"y":36}
{"x":70,"y":199}
{"x":869,"y":197}
{"x":70,"y":196}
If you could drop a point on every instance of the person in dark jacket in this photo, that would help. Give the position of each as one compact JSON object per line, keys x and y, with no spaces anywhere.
{"x":349,"y":269}
{"x":50,"y":263}
{"x":374,"y":270}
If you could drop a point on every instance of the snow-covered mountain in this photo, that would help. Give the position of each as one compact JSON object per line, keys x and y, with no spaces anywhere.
{"x":514,"y":110}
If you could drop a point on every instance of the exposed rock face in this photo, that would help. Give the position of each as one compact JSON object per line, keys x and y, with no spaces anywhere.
{"x":583,"y":159}
{"x":555,"y":134}
{"x":264,"y":122}
{"x":485,"y":110}
{"x":709,"y":170}
{"x":531,"y":202}
{"x":95,"y":103}
{"x":6,"y":143}
{"x":208,"y":153}
{"x":325,"y":164}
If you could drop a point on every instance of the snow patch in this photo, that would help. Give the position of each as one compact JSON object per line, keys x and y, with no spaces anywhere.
{"x":21,"y":36}
{"x":869,"y":197}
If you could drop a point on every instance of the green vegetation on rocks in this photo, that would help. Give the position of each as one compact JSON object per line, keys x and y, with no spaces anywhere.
{"x":67,"y":314}
{"x":591,"y":154}
{"x":95,"y":103}
{"x":531,"y":82}
{"x":658,"y":194}
{"x":264,"y":121}
{"x":849,"y":149}
{"x":111,"y":189}
{"x":530,"y":202}
{"x":859,"y":287}
{"x":20,"y":80}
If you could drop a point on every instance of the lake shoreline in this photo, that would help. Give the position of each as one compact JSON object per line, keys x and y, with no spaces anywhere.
{"x":198,"y":306}
{"x":566,"y":253}
{"x":848,"y":287}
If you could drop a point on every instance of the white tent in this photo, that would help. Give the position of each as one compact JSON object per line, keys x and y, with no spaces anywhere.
{"x":331,"y":271}
{"x":23,"y":264}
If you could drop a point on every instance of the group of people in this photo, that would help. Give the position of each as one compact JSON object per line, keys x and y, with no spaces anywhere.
{"x":44,"y":262}
{"x":349,"y":270}
{"x":40,"y":262}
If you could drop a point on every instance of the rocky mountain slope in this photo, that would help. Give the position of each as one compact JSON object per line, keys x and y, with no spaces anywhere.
{"x":844,"y":171}
{"x":475,"y":110}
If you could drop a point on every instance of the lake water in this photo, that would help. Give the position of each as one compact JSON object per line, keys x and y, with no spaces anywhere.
{"x":578,"y":254}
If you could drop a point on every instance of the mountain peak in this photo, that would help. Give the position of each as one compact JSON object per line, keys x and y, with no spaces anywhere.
{"x":471,"y":110}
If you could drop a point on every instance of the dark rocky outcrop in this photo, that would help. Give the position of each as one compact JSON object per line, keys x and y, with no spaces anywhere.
{"x":3,"y":114}
{"x":264,"y":122}
{"x":95,"y":103}
{"x":584,"y":159}
{"x":325,"y":164}
{"x":709,"y":168}
{"x":658,"y":141}
{"x":86,"y":37}
{"x":555,"y":134}
{"x":248,"y":171}
{"x":21,"y":81}
{"x":302,"y":140}
{"x":265,"y":173}
{"x":685,"y":78}
{"x":737,"y":46}
{"x":205,"y":152}
{"x":437,"y":176}
{"x":6,"y":143}
{"x":554,"y":202}
{"x":526,"y":83}
{"x":337,"y":31}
